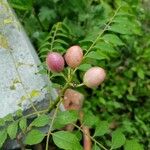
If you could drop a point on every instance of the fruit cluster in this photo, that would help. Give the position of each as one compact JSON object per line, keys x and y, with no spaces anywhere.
{"x":73,"y":58}
{"x":72,"y":99}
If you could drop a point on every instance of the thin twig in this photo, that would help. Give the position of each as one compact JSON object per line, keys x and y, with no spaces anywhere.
{"x":102,"y":32}
{"x":52,"y":122}
{"x":57,"y":103}
{"x":19,"y":141}
{"x":99,"y":144}
{"x":99,"y":35}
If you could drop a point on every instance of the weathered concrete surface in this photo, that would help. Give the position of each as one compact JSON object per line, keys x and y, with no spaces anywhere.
{"x":20,"y":82}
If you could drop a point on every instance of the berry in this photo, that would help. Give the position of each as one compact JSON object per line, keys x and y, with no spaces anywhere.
{"x":94,"y":77}
{"x":55,"y":62}
{"x":74,"y":56}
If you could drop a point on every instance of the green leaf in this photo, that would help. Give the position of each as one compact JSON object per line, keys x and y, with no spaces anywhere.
{"x":62,"y":35}
{"x":78,"y":134}
{"x":46,"y":14}
{"x":132,"y":24}
{"x":66,"y":28}
{"x":19,"y":113}
{"x":113,"y":39}
{"x":66,"y":140}
{"x":103,"y":55}
{"x":132,"y":145}
{"x":61,"y":41}
{"x":34,"y":137}
{"x":64,"y":118}
{"x":12,"y":130}
{"x":86,"y":41}
{"x":90,"y":119}
{"x":140,"y":73}
{"x":118,"y":139}
{"x":21,"y":4}
{"x":41,"y":121}
{"x":95,"y":55}
{"x":121,"y":19}
{"x":23,"y":124}
{"x":106,"y":49}
{"x":104,"y":46}
{"x":2,"y":122}
{"x":121,"y":28}
{"x":84,"y":67}
{"x":59,"y":48}
{"x":3,"y":137}
{"x":9,"y":117}
{"x":102,"y":128}
{"x":96,"y":147}
{"x":131,"y":97}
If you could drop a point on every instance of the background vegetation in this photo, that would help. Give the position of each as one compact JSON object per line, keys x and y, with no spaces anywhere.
{"x":123,"y":49}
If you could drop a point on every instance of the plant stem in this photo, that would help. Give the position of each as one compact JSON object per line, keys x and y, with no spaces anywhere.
{"x":102,"y":32}
{"x":99,"y":35}
{"x":38,"y":20}
{"x":57,"y":103}
{"x":99,"y":144}
{"x":79,"y":85}
{"x":51,"y":125}
{"x":19,"y":141}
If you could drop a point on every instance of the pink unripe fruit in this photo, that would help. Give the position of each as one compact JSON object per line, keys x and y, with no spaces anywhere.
{"x":94,"y":77}
{"x":74,"y":56}
{"x":55,"y":62}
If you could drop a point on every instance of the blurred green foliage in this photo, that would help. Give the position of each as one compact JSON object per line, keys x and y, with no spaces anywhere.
{"x":124,"y":51}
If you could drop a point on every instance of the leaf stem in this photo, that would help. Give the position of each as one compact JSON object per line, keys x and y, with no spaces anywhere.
{"x":54,"y":35}
{"x":102,"y":32}
{"x":99,"y":35}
